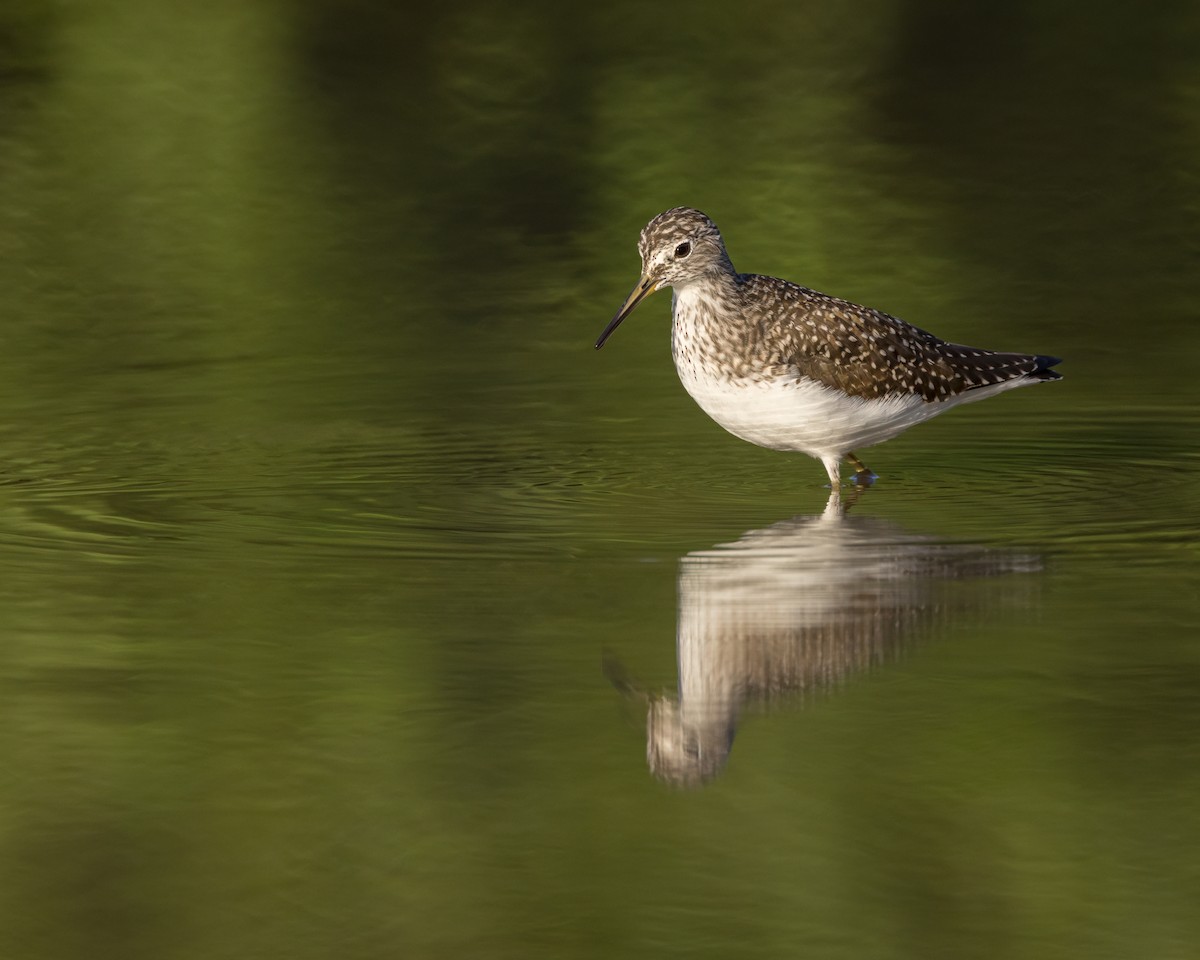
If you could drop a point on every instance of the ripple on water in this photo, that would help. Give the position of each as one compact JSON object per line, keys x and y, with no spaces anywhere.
{"x":353,"y":490}
{"x":1081,"y":481}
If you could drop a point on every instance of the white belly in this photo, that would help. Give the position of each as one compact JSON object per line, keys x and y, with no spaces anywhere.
{"x":803,"y":415}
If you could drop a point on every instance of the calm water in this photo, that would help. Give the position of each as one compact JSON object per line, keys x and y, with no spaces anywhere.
{"x":351,"y":605}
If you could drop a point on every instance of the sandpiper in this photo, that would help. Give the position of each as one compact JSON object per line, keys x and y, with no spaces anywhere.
{"x":789,"y":368}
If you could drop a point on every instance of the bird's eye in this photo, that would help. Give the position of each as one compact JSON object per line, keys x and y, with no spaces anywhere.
{"x":683,"y":250}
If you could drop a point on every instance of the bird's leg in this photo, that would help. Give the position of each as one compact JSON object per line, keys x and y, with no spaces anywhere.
{"x":833,"y":467}
{"x":862,"y":473}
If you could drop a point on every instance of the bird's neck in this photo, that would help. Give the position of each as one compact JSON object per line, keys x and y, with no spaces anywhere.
{"x":707,"y":323}
{"x":714,"y":298}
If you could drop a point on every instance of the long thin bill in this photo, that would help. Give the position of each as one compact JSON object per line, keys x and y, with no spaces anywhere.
{"x":643,"y":287}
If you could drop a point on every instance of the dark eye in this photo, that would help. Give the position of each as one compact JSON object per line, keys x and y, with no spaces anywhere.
{"x":683,"y":250}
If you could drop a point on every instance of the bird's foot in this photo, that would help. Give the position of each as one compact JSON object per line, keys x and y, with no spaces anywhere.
{"x":862,"y":476}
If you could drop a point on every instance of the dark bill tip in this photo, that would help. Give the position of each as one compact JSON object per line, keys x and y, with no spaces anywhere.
{"x":643,"y":287}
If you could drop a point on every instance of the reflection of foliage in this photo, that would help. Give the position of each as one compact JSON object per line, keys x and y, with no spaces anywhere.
{"x":27,"y":29}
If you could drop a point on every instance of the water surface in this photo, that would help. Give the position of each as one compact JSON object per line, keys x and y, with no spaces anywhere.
{"x":344,"y":583}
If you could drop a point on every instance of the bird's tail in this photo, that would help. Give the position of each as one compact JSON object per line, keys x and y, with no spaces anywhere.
{"x":986,"y":368}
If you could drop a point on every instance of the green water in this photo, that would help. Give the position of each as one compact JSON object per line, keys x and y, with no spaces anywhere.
{"x":339,"y":574}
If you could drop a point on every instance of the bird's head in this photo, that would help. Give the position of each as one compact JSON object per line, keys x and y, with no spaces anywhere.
{"x":678,"y":247}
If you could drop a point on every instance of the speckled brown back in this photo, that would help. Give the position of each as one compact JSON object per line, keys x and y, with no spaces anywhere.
{"x":864,"y":352}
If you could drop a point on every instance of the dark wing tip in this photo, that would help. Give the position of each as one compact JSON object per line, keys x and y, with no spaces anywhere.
{"x":1042,"y":369}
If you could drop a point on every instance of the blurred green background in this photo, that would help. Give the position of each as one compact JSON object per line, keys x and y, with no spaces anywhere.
{"x":318,"y":512}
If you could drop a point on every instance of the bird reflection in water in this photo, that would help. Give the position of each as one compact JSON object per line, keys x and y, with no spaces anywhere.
{"x":792,"y":609}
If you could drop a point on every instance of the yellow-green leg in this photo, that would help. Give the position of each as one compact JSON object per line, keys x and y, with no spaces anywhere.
{"x":862,"y":473}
